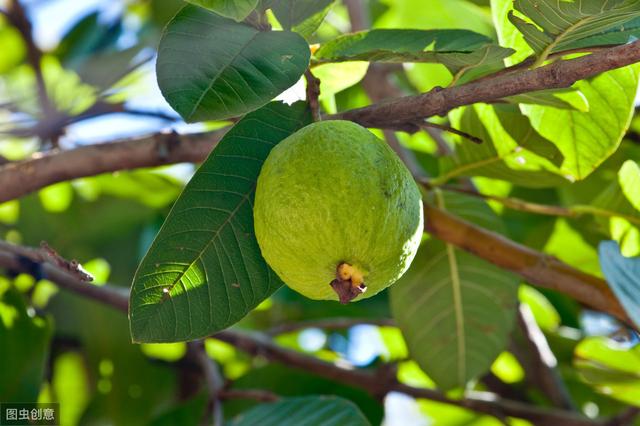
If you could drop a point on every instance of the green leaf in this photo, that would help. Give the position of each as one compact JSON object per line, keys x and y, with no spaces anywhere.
{"x":455,"y":310}
{"x":585,"y":139}
{"x":623,"y":275}
{"x":189,"y":413}
{"x":211,"y":68}
{"x":310,"y":411}
{"x":543,"y":311}
{"x":561,"y":26}
{"x":434,"y":14}
{"x":291,"y":382}
{"x":460,"y":51}
{"x":563,"y":99}
{"x":620,"y":205}
{"x":611,"y":368}
{"x":511,"y":149}
{"x":301,"y":16}
{"x":25,"y":345}
{"x":204,"y":271}
{"x":56,"y":198}
{"x":13,"y":47}
{"x":234,"y":9}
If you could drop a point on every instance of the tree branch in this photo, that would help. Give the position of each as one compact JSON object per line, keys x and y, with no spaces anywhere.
{"x":18,"y":18}
{"x":537,"y":268}
{"x":378,"y":383}
{"x":329,"y":324}
{"x":535,"y":208}
{"x":255,"y":394}
{"x":532,"y":350}
{"x":213,"y":380}
{"x":560,"y":74}
{"x":22,"y":177}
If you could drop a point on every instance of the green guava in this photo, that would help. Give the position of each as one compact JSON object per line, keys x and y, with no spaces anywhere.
{"x":337,"y":214}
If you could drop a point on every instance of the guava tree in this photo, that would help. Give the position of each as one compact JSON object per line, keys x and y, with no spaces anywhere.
{"x":510,"y":157}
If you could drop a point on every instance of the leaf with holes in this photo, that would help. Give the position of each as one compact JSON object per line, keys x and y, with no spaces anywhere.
{"x":234,"y":9}
{"x":204,"y":271}
{"x":461,"y":51}
{"x":455,"y":310}
{"x":211,"y":68}
{"x":308,"y":411}
{"x":623,"y":275}
{"x":565,"y":25}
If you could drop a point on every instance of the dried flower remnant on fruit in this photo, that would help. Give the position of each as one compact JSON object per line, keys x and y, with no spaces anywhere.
{"x":349,"y":283}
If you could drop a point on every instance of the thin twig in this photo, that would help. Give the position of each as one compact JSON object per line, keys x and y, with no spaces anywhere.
{"x":452,"y":130}
{"x":313,"y":92}
{"x":328,"y":324}
{"x":213,"y":380}
{"x":536,"y":208}
{"x":534,"y":354}
{"x":255,"y":394}
{"x":18,"y":18}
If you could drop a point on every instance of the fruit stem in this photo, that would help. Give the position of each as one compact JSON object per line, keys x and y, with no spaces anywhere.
{"x":349,"y":283}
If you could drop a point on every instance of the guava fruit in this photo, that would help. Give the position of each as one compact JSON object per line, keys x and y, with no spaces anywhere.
{"x":337,"y":214}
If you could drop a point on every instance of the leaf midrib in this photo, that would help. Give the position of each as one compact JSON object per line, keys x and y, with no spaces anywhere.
{"x":557,"y":40}
{"x":457,"y":302}
{"x":197,"y":104}
{"x":232,"y":214}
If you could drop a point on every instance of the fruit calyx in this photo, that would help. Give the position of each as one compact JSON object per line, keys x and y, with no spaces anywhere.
{"x":349,"y":283}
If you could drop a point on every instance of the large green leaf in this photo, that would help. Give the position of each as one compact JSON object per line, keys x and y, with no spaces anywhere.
{"x":25,"y":345}
{"x":460,"y":51}
{"x":210,"y":67}
{"x":307,"y":411}
{"x":204,"y":271}
{"x":455,"y":310}
{"x":564,"y":25}
{"x":585,"y":138}
{"x":623,"y":275}
{"x":301,"y":16}
{"x":234,"y":9}
{"x":511,"y":149}
{"x":433,"y":14}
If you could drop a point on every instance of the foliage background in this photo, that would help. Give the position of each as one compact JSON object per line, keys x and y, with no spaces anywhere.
{"x":56,"y":346}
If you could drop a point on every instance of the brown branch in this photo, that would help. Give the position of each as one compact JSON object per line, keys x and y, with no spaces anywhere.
{"x":313,"y":92}
{"x":20,"y":259}
{"x":378,"y":383}
{"x":329,"y":324}
{"x":481,"y":402}
{"x":255,"y":394}
{"x":532,"y":350}
{"x":18,"y":18}
{"x":19,"y":178}
{"x":560,"y":74}
{"x":536,"y":267}
{"x":450,"y":129}
{"x":213,"y":380}
{"x":626,"y":418}
{"x":22,"y":177}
